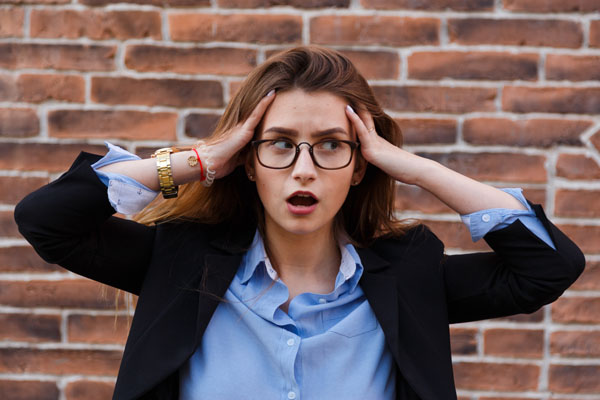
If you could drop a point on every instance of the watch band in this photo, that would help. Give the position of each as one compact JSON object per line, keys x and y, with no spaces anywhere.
{"x":165,"y":175}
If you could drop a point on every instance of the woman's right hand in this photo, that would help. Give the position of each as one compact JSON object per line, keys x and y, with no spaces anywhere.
{"x":224,"y":151}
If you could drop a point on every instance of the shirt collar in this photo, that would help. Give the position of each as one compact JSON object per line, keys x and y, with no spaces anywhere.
{"x":350,"y":265}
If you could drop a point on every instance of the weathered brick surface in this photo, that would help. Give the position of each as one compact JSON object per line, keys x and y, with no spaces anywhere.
{"x":368,"y":30}
{"x":529,"y":132}
{"x":458,"y":5}
{"x":503,"y":91}
{"x":152,"y":92}
{"x":518,"y":343}
{"x":236,"y":28}
{"x":11,"y":22}
{"x":517,"y":32}
{"x":496,"y":376}
{"x":82,"y":57}
{"x":112,"y":124}
{"x":436,"y":99}
{"x":94,"y":24}
{"x":472,"y":65}
{"x":228,"y":61}
{"x":89,"y":390}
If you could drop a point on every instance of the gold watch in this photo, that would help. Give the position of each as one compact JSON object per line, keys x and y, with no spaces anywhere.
{"x":165,"y":175}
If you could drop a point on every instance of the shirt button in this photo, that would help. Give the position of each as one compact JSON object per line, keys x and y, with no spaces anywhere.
{"x":485,"y":217}
{"x":291,"y":395}
{"x":322,"y":301}
{"x":290,"y":342}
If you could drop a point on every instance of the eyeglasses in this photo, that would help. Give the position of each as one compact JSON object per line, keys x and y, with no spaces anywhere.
{"x":326,"y":154}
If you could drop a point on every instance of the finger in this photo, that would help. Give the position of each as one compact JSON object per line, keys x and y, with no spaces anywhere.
{"x":258,"y":112}
{"x":359,"y":124}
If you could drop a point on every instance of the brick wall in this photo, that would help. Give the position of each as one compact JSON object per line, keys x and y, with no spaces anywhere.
{"x":505,"y":91}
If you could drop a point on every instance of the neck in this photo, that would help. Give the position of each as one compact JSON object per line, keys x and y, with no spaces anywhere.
{"x":312,"y":259}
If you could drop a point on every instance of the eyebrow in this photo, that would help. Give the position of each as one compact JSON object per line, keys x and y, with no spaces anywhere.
{"x":293,"y":132}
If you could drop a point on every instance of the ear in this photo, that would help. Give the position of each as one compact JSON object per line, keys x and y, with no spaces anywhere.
{"x":249,"y":166}
{"x":360,"y":168}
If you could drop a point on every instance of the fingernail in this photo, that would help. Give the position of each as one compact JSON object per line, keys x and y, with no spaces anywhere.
{"x":350,"y":109}
{"x":271,"y":93}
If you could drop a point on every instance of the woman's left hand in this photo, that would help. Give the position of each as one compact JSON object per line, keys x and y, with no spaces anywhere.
{"x":399,"y":164}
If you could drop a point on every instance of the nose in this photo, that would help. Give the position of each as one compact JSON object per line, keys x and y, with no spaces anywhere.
{"x":304,"y":168}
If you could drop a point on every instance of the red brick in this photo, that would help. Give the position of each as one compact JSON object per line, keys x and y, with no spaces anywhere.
{"x":151,"y":92}
{"x":537,"y":316}
{"x":94,"y":24}
{"x":577,"y":166}
{"x":574,"y":378}
{"x":134,"y":125}
{"x":97,"y":329}
{"x":436,"y":99}
{"x":463,"y":341}
{"x":24,"y":259}
{"x":291,"y":3}
{"x":159,"y":3}
{"x":579,"y":310}
{"x":590,"y":279}
{"x":505,"y":167}
{"x":24,"y":2}
{"x":575,"y":344}
{"x":455,"y":235}
{"x":414,"y":198}
{"x":253,"y":28}
{"x":83,"y":57}
{"x":30,"y":328}
{"x":515,"y":32}
{"x":18,"y":122}
{"x":496,"y":376}
{"x":201,"y":125}
{"x":595,"y":33}
{"x":89,"y":390}
{"x":35,"y":88}
{"x":427,"y":130}
{"x":524,"y":132}
{"x":537,"y":196}
{"x":59,"y":361}
{"x":472,"y":65}
{"x":432,"y":5}
{"x":518,"y":343}
{"x":506,"y":398}
{"x":72,"y":293}
{"x":585,"y":236}
{"x":373,"y":30}
{"x":375,"y":64}
{"x":577,"y":203}
{"x":595,"y":140}
{"x":572,"y":68}
{"x":42,"y":156}
{"x":11,"y":22}
{"x":28,"y":390}
{"x":551,"y":100}
{"x":218,"y":60}
{"x":551,"y":6}
{"x":8,"y":227}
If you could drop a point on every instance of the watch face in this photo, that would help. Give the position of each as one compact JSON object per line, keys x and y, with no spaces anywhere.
{"x":192,"y":161}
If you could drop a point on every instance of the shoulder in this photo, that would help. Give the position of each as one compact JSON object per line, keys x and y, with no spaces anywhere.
{"x":419,"y":242}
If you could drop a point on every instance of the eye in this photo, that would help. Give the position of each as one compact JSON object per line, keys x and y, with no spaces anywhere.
{"x":282,"y":144}
{"x":329,"y":145}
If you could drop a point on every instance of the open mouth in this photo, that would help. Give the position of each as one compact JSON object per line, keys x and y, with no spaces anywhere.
{"x":302,"y":200}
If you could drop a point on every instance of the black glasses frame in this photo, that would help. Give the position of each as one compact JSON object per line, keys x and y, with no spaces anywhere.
{"x":353,"y":146}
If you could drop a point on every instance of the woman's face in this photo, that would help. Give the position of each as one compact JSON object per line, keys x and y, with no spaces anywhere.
{"x":303,"y":198}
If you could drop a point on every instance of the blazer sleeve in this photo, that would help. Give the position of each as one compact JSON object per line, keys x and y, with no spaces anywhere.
{"x":520,"y":276}
{"x":70,"y":222}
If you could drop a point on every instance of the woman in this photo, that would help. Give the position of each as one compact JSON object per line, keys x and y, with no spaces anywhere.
{"x":289,"y":277}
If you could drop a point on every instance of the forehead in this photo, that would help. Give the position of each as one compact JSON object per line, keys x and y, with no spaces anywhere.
{"x":306,"y":112}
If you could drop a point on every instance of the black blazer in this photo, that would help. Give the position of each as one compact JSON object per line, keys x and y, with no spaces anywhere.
{"x":180,"y":269}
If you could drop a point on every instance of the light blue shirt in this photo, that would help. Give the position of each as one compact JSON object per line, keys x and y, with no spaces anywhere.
{"x":325,"y":346}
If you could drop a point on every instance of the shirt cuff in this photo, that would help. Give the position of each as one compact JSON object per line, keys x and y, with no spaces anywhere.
{"x":481,"y":222}
{"x":125,"y":194}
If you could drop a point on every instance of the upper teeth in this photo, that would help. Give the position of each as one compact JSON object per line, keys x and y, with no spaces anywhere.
{"x":304,"y":195}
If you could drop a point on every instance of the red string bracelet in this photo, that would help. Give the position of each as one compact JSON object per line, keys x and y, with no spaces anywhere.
{"x":202,"y":177}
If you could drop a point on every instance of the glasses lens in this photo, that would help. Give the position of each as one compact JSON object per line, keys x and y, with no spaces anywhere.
{"x":280,"y":153}
{"x":332,"y":153}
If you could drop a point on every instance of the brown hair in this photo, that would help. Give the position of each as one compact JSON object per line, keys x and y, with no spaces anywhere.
{"x":368,"y":211}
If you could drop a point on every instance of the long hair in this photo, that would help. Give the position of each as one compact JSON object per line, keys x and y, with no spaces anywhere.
{"x":368,"y":211}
